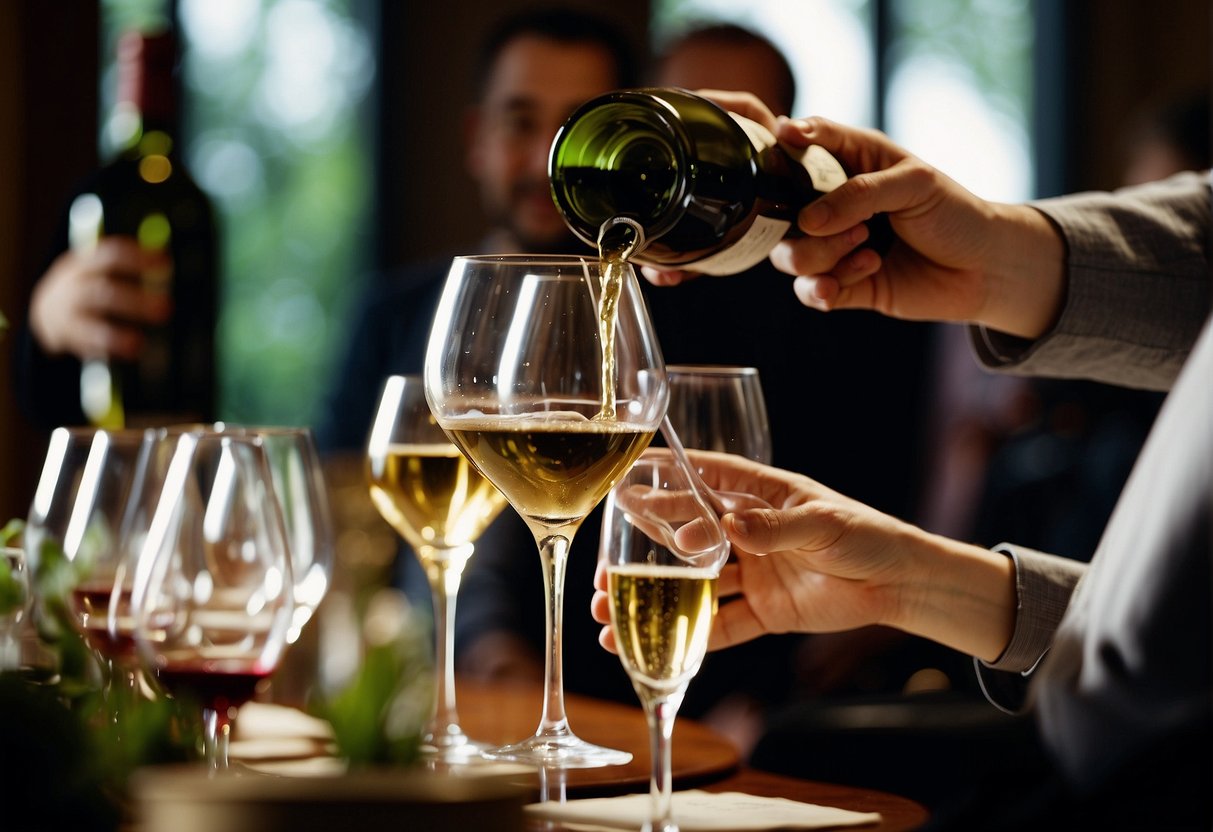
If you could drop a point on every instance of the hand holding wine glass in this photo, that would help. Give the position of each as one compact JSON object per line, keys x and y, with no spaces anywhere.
{"x":519,"y":374}
{"x":662,"y":547}
{"x":213,"y":590}
{"x":433,"y":497}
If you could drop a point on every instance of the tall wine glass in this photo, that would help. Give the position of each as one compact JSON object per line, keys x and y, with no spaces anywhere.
{"x":517,"y":375}
{"x":663,"y":548}
{"x":82,"y":508}
{"x":720,"y":407}
{"x":213,"y":592}
{"x":432,"y":496}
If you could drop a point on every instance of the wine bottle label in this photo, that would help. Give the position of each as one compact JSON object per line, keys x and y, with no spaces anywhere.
{"x":749,"y":251}
{"x":825,"y":171}
{"x":757,"y":242}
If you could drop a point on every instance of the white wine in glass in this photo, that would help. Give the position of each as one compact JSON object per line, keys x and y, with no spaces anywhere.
{"x":663,"y":547}
{"x":433,"y":497}
{"x":520,"y":376}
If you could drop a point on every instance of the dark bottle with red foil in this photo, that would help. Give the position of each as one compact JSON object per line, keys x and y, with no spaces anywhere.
{"x":146,"y":192}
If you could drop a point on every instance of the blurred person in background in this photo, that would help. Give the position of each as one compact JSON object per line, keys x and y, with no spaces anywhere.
{"x":534,"y":68}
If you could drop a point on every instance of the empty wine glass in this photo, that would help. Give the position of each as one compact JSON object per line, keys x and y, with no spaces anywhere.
{"x":213,"y":592}
{"x":720,"y":407}
{"x":663,"y":547}
{"x":520,"y":376}
{"x":433,"y":497}
{"x":303,"y":496}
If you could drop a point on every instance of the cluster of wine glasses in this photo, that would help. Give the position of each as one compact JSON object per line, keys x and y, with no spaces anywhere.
{"x":196,"y":554}
{"x":515,"y":378}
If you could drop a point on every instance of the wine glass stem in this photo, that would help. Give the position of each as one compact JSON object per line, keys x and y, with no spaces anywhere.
{"x":443,"y":728}
{"x":217,"y":731}
{"x":554,"y":553}
{"x":660,"y":710}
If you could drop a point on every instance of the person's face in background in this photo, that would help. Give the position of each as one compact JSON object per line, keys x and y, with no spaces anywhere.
{"x":534,"y":86}
{"x":721,"y":66}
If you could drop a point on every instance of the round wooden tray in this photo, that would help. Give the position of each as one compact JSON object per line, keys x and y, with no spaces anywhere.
{"x":505,"y":714}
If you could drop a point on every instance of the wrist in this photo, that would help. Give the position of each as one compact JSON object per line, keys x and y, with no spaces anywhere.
{"x":957,"y":594}
{"x":1025,"y":274}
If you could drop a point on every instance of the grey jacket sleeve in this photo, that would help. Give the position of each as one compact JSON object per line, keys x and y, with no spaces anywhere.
{"x":1138,"y":292}
{"x":1043,"y":586}
{"x":1139,"y":287}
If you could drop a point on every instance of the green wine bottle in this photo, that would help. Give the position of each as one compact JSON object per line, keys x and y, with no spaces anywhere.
{"x":681,"y":183}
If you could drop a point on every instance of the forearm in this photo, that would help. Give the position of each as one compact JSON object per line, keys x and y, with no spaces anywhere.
{"x":957,"y":594}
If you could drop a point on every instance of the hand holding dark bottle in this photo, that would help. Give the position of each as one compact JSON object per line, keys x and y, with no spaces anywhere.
{"x":956,"y":257}
{"x":135,"y":294}
{"x":91,"y":304}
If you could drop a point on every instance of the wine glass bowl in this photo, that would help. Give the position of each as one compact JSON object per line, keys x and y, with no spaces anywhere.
{"x":434,"y":499}
{"x":84,"y":519}
{"x":212,"y":596}
{"x":720,"y":407}
{"x":662,"y":546}
{"x":519,"y":375}
{"x":299,"y":485}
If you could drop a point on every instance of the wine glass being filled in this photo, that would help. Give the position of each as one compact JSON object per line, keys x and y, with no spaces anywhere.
{"x":546,"y":373}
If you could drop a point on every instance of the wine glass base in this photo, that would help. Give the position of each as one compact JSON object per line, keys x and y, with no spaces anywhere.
{"x":458,"y":750}
{"x":563,"y":751}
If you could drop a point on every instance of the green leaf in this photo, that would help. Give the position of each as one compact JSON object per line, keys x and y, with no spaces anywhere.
{"x":11,"y":531}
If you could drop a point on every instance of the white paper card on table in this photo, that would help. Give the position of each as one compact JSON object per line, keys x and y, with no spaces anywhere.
{"x":699,"y":811}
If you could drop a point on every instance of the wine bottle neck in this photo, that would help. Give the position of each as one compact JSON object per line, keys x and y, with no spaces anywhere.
{"x":146,"y":95}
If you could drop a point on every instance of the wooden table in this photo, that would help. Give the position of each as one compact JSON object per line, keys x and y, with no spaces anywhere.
{"x":309,"y":790}
{"x":701,"y":758}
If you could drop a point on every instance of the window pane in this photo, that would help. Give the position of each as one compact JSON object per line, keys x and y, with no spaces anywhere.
{"x":959,"y":93}
{"x":827,"y":42}
{"x":276,"y":134}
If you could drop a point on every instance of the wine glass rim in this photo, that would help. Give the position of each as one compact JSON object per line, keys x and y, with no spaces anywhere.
{"x":577,"y":260}
{"x":711,"y":369}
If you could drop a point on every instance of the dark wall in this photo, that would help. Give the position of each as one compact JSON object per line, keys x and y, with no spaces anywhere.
{"x":1126,"y":56}
{"x":48,"y":119}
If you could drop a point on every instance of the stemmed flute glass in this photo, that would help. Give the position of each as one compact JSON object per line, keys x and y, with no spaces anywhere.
{"x":432,"y":496}
{"x":212,"y":596}
{"x":663,"y":547}
{"x":519,"y":375}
